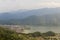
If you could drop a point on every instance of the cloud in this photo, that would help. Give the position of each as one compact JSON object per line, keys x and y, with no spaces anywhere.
{"x":49,"y":4}
{"x":7,"y":5}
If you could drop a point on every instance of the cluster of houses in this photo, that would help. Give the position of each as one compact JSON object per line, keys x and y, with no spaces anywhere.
{"x":17,"y":28}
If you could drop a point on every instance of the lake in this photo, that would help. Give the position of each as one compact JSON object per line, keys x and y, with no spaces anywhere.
{"x":44,"y":29}
{"x":37,"y":28}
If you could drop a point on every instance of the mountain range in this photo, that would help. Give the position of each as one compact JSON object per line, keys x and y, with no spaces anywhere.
{"x":43,"y":16}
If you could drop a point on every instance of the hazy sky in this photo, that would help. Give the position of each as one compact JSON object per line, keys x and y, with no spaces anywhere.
{"x":6,"y":5}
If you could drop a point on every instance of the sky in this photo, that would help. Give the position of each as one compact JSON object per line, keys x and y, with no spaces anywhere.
{"x":8,"y":5}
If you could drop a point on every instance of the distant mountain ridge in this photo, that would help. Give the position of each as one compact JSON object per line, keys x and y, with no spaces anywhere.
{"x":25,"y":13}
{"x":44,"y":16}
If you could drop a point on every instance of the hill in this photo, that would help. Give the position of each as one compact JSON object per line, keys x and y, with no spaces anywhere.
{"x":19,"y":14}
{"x":44,"y":16}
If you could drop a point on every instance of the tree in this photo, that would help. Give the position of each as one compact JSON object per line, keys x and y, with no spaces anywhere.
{"x":8,"y":35}
{"x":49,"y":33}
{"x":35,"y":34}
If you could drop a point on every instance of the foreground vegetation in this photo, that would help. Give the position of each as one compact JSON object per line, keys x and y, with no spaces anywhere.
{"x":6,"y":34}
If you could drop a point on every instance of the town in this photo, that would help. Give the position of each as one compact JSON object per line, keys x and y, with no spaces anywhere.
{"x":23,"y":29}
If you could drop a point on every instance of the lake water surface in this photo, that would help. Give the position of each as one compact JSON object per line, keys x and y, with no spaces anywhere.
{"x":44,"y":28}
{"x":38,"y":28}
